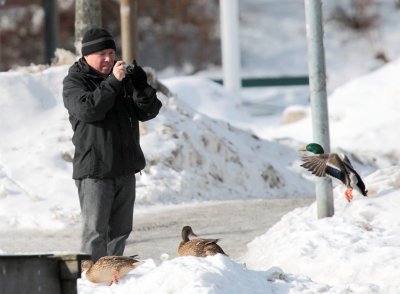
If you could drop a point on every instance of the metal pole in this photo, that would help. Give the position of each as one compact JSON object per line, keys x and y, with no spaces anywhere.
{"x":318,"y":96}
{"x":128,"y":11}
{"x":50,"y":29}
{"x":229,"y":14}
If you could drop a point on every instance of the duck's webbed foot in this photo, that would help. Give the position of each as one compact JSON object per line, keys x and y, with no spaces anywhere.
{"x":115,"y":278}
{"x":348,"y":194}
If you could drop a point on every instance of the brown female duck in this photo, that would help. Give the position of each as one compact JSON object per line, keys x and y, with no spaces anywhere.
{"x":197,"y":247}
{"x":109,"y":269}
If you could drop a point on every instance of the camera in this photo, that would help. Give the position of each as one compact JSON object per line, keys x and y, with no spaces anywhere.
{"x":129,"y":68}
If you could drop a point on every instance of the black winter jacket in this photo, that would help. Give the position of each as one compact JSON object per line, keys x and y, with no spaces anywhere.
{"x":105,"y":114}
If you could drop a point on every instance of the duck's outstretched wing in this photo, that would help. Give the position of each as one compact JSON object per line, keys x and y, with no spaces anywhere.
{"x":326,"y":165}
{"x":316,"y":164}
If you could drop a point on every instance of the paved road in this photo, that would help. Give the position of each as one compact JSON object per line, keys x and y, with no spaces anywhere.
{"x":236,"y":223}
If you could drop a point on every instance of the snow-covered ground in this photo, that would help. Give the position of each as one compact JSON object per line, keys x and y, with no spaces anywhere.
{"x":205,"y":147}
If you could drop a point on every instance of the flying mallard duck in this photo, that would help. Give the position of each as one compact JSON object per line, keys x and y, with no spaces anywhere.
{"x":197,"y":247}
{"x":335,"y":165}
{"x":109,"y":269}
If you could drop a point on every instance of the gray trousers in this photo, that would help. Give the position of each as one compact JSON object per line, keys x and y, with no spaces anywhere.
{"x":107,"y":214}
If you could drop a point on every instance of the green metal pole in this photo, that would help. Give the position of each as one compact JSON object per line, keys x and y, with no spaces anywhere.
{"x":50,"y":29}
{"x":318,"y":97}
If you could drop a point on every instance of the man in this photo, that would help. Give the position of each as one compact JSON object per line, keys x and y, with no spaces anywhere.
{"x":105,"y":105}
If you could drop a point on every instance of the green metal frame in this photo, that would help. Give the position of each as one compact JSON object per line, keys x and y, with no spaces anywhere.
{"x":270,"y":82}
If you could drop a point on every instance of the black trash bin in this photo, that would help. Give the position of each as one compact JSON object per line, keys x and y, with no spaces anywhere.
{"x":40,"y":273}
{"x":29,"y":273}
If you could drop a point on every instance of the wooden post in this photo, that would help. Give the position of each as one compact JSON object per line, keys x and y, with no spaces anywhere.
{"x":129,"y":42}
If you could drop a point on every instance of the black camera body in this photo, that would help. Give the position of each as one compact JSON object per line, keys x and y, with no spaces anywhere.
{"x":129,"y":68}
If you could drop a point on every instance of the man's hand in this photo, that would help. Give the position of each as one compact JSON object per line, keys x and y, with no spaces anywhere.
{"x":119,"y":70}
{"x":138,"y":76}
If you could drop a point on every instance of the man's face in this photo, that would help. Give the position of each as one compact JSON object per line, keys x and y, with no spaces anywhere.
{"x":102,"y":61}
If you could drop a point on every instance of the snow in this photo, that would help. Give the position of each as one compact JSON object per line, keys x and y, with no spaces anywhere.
{"x":205,"y":146}
{"x":359,"y":245}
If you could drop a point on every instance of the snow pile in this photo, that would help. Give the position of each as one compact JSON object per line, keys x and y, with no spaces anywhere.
{"x":213,"y":274}
{"x":359,"y":245}
{"x":363,"y":115}
{"x":207,"y":159}
{"x":191,"y":157}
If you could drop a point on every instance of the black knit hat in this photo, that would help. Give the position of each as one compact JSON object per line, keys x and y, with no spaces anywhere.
{"x":97,"y":39}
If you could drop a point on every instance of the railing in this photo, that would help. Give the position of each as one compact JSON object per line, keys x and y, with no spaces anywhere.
{"x":271,"y":82}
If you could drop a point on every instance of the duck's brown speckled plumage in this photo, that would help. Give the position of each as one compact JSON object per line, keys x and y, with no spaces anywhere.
{"x":197,"y":247}
{"x":108,"y":269}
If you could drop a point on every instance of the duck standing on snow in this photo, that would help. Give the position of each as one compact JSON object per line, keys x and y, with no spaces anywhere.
{"x":109,"y":269}
{"x":335,"y":165}
{"x":197,"y":247}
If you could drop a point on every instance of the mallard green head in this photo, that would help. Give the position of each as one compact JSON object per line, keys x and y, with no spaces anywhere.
{"x":314,"y":148}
